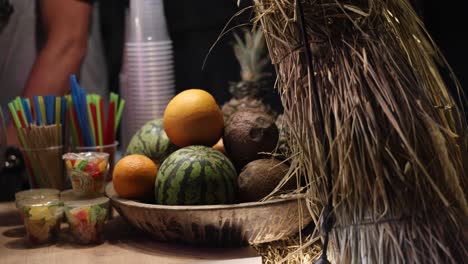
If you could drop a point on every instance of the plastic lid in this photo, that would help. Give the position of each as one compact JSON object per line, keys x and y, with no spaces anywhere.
{"x":38,"y":193}
{"x":39,"y":201}
{"x":85,"y":156}
{"x":71,"y":200}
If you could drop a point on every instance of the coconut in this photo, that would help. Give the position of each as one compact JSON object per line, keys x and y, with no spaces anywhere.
{"x":260,"y":177}
{"x":247,"y":135}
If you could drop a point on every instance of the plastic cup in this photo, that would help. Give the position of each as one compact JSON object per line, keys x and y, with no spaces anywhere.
{"x":36,"y":194}
{"x":87,"y":171}
{"x":86,"y":218}
{"x":42,"y":218}
{"x":146,"y":21}
{"x":44,"y":167}
{"x":109,"y":149}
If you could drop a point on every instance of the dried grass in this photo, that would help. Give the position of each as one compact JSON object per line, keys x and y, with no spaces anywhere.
{"x":398,"y":141}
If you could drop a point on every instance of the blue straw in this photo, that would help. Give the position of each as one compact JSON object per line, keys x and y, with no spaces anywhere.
{"x":38,"y":110}
{"x":27,"y":111}
{"x":79,"y":102}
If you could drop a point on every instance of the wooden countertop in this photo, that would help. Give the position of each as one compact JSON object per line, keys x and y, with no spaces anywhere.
{"x":122,"y":244}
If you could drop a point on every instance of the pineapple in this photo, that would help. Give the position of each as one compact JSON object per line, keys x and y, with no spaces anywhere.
{"x":248,"y":92}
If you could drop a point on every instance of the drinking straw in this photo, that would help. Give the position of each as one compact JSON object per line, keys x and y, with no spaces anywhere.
{"x":21,"y":118}
{"x":63,"y":121}
{"x":58,"y":106}
{"x":95,"y":122}
{"x":100,"y":116}
{"x":19,"y":105}
{"x":42,"y":110}
{"x":119,"y":114}
{"x":38,"y":111}
{"x":17,"y":123}
{"x":79,"y":134}
{"x":27,"y":111}
{"x":91,"y":125}
{"x":110,"y":123}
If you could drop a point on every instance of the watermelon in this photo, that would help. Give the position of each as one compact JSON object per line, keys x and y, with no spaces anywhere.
{"x":151,"y":140}
{"x":196,"y":175}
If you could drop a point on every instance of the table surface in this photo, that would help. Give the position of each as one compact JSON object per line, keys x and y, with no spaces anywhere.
{"x":122,"y":244}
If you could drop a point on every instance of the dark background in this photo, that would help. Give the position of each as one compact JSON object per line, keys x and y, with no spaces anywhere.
{"x":195,"y":25}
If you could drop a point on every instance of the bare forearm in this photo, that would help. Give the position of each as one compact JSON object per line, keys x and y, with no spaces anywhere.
{"x":66,"y":24}
{"x":53,"y":67}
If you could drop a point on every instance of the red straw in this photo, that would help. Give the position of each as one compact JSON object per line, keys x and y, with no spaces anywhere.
{"x":110,"y":124}
{"x":103,"y":121}
{"x":77,"y":126}
{"x":20,"y":116}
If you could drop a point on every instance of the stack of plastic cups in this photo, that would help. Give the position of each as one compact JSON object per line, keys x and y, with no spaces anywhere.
{"x":147,"y":79}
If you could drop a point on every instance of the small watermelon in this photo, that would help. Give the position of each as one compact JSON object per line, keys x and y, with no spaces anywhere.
{"x":151,"y":141}
{"x":196,"y":175}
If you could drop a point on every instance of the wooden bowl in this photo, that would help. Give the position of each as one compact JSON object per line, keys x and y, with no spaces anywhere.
{"x":221,"y":225}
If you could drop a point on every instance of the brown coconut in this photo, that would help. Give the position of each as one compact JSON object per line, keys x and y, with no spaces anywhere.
{"x":247,"y":134}
{"x":260,"y":177}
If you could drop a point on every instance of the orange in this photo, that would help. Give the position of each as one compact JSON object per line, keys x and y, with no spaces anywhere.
{"x":134,"y":177}
{"x":193,"y":118}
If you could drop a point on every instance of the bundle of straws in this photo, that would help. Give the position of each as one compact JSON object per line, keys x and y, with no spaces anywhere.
{"x":41,"y":133}
{"x":89,"y":125}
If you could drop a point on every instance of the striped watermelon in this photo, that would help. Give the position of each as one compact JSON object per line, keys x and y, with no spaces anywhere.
{"x":151,"y":140}
{"x":196,"y":175}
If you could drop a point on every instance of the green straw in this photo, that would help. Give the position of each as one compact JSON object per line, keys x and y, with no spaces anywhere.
{"x":22,"y":139}
{"x":119,"y":113}
{"x":19,"y":106}
{"x":90,"y":119}
{"x":17,"y":123}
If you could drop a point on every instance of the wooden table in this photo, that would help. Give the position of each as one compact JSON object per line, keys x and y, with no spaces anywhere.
{"x":122,"y":245}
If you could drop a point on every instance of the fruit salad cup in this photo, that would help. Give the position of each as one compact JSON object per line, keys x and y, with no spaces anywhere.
{"x":36,"y":193}
{"x":42,"y":218}
{"x":86,"y":218}
{"x":87,"y":171}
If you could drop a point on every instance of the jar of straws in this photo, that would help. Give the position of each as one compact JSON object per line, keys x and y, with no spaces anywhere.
{"x":41,"y":133}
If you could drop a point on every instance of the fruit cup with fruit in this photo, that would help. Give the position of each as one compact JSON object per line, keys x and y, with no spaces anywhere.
{"x":87,"y":171}
{"x":42,"y":218}
{"x":86,"y":218}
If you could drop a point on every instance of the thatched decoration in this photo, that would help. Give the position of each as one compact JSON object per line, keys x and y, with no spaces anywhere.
{"x":398,"y":142}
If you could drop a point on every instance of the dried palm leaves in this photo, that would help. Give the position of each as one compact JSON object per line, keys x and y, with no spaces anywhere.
{"x":398,"y":146}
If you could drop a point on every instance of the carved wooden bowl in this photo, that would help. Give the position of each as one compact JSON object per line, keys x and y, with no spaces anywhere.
{"x":221,"y":225}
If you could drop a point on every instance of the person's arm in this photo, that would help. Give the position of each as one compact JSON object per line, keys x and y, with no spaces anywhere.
{"x":66,"y":24}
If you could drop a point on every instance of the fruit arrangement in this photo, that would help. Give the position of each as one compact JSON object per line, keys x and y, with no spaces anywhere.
{"x":215,"y":145}
{"x":205,"y":169}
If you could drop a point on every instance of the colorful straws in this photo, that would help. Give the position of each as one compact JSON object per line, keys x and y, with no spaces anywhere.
{"x":85,"y":115}
{"x":89,"y":124}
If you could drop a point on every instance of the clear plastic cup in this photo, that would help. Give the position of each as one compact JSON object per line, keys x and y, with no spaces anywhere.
{"x":87,"y":172}
{"x":44,"y":167}
{"x":36,"y":193}
{"x":109,"y":149}
{"x":146,"y":21}
{"x":86,"y":218}
{"x":42,"y":218}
